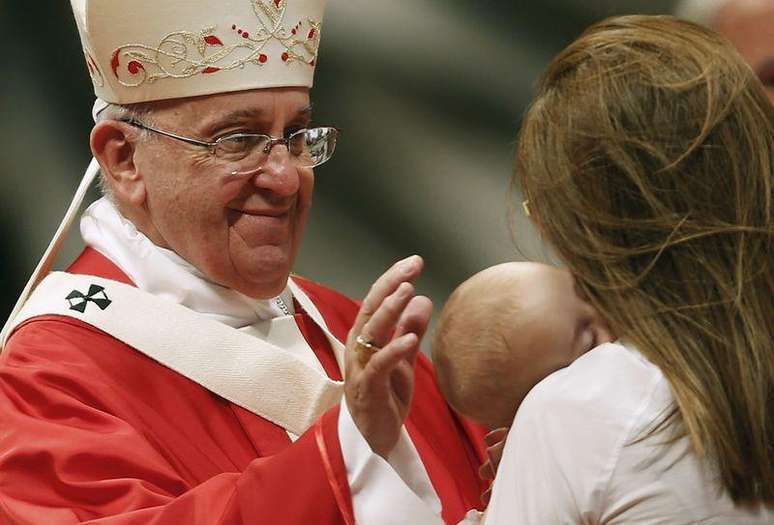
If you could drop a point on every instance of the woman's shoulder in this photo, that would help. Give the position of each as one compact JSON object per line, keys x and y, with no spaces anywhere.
{"x":570,"y":430}
{"x":607,"y":395}
{"x":612,"y":375}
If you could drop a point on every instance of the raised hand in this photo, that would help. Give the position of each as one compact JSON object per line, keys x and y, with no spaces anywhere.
{"x":380,"y":380}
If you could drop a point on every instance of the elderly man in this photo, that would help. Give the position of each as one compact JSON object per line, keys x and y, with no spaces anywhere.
{"x":748,"y":24}
{"x":176,"y":373}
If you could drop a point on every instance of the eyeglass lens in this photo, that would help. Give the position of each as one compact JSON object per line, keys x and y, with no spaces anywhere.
{"x":245,"y":153}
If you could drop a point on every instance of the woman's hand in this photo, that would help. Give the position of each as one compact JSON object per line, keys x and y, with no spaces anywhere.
{"x":495,"y":442}
{"x":379,"y":386}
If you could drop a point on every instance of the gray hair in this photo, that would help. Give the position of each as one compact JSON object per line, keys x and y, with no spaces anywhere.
{"x":122,"y":113}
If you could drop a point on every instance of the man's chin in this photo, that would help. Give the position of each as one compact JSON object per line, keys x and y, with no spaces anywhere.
{"x":263,"y":282}
{"x":265,"y":289}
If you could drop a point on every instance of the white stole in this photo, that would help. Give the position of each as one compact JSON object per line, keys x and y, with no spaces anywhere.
{"x":267,"y":368}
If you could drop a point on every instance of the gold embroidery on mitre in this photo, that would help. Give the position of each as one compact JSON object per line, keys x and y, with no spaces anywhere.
{"x":183,"y":54}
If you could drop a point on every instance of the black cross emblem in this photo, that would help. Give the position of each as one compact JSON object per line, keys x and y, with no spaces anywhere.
{"x":96,"y":295}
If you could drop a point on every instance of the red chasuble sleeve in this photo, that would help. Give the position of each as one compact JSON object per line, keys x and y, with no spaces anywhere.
{"x":92,"y":431}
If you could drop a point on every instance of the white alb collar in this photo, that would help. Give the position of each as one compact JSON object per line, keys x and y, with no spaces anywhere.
{"x":165,"y":274}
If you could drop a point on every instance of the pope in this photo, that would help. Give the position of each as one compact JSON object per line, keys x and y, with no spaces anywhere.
{"x":177,"y":372}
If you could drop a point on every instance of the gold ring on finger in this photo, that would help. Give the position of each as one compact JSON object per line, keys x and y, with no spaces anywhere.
{"x":365,"y":349}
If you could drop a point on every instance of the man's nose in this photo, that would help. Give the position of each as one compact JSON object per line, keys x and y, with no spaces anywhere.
{"x":279,"y":173}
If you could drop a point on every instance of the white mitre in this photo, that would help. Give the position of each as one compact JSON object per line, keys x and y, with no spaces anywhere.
{"x":147,"y":50}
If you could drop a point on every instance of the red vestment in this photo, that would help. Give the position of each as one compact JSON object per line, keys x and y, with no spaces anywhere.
{"x":94,"y":431}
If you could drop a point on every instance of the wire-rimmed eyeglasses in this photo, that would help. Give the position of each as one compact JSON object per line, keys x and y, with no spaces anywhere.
{"x":245,"y":152}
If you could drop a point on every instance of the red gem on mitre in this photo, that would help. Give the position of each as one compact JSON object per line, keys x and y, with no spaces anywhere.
{"x":312,"y":32}
{"x":213,"y":40}
{"x":285,"y":57}
{"x":277,"y":3}
{"x":134,"y":67}
{"x":262,"y":58}
{"x":211,"y":69}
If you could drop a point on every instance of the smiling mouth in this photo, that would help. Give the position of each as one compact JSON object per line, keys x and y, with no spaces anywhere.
{"x":273,"y":214}
{"x":277,"y":214}
{"x":259,"y":218}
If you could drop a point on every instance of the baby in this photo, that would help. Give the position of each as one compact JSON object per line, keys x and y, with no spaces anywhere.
{"x":504,"y":330}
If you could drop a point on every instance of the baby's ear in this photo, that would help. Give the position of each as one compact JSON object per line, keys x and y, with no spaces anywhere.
{"x":601,"y":327}
{"x":604,"y":334}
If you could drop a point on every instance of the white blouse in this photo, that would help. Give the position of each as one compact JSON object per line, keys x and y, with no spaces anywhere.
{"x":572,"y":455}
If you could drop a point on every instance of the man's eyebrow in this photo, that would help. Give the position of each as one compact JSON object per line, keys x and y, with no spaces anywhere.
{"x":242,"y":115}
{"x":223,"y":121}
{"x":304,"y":113}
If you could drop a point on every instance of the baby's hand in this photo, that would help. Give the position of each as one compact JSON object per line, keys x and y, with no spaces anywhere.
{"x":495,"y":442}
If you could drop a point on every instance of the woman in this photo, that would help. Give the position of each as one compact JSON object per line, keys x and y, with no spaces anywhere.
{"x":647,"y":162}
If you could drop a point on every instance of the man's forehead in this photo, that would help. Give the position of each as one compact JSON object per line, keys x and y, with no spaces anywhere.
{"x":262,"y":105}
{"x":256,"y":112}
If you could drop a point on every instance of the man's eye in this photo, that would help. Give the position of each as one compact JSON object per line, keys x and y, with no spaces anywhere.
{"x":238,"y":144}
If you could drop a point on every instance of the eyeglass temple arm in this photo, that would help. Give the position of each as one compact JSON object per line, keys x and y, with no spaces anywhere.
{"x":171,"y":135}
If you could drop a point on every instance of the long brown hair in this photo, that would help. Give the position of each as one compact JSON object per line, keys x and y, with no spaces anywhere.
{"x":647,"y":162}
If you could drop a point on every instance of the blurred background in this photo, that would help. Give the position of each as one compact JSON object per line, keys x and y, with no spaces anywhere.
{"x":428,"y":93}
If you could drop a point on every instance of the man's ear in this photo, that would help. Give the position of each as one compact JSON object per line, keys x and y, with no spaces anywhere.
{"x":113,"y":145}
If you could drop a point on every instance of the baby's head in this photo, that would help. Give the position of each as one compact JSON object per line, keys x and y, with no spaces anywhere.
{"x":504,"y":330}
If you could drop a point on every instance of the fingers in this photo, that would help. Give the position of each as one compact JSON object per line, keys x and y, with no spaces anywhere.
{"x":388,"y":297}
{"x":415,"y":317}
{"x":381,"y":365}
{"x":379,"y":387}
{"x":495,"y":436}
{"x":495,"y":454}
{"x":486,"y":471}
{"x":400,"y":314}
{"x":388,"y":372}
{"x":495,"y":442}
{"x":377,"y":410}
{"x":486,"y":496}
{"x":406,"y":270}
{"x":381,"y":324}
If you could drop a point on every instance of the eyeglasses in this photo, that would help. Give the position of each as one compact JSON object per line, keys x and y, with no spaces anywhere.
{"x":245,"y":152}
